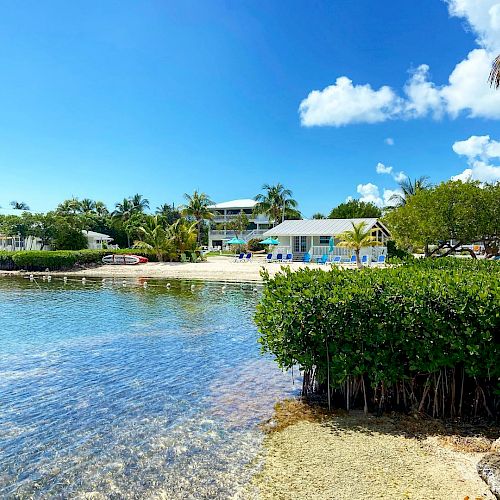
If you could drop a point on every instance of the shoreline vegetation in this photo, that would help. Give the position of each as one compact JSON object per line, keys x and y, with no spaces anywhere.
{"x":310,"y":453}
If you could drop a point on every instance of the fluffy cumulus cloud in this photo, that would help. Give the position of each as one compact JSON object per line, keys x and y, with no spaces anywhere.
{"x":344,"y":103}
{"x":465,"y":92}
{"x":383,"y":169}
{"x":370,"y":193}
{"x":479,"y":151}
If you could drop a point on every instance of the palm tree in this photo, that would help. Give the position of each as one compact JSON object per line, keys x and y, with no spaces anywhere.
{"x":494,"y":78}
{"x":168,"y":213}
{"x":409,"y":188}
{"x":154,"y":237}
{"x":123,"y":211}
{"x":87,"y":205}
{"x":197,"y":208}
{"x":19,"y":205}
{"x":358,"y":238}
{"x":101,"y":209}
{"x":140,"y":204}
{"x":183,"y":235}
{"x":276,"y":203}
{"x":69,"y":207}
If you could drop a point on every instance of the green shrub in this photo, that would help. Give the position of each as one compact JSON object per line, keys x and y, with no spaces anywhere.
{"x":423,"y":336}
{"x":254,"y":245}
{"x":394,"y":251}
{"x":6,"y":262}
{"x":39,"y":260}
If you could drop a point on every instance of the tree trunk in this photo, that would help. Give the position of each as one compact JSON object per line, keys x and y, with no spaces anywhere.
{"x":358,"y":259}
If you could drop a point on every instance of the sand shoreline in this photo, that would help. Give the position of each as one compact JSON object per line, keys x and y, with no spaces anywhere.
{"x":214,"y":269}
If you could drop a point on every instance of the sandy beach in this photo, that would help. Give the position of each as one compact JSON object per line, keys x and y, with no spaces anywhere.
{"x":213,"y":269}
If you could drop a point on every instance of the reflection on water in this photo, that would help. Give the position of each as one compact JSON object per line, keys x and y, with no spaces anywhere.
{"x":112,"y":391}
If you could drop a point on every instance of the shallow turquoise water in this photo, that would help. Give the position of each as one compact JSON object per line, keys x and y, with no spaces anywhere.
{"x":131,"y":392}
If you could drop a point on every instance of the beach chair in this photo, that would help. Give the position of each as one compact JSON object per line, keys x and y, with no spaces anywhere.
{"x":240,"y":257}
{"x":288,"y":258}
{"x":322,"y":260}
{"x":279,"y":257}
{"x":353,"y":260}
{"x":381,"y":260}
{"x":269,"y":257}
{"x":365,"y":261}
{"x":248,"y":257}
{"x":337,"y":259}
{"x":307,"y":258}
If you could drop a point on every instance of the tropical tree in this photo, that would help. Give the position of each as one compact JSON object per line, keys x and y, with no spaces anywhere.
{"x":355,"y":209}
{"x":276,"y":203}
{"x":168,"y":213}
{"x":139,"y":203}
{"x":409,"y":188}
{"x":238,"y":224}
{"x":69,"y":207}
{"x":154,"y":237}
{"x":101,"y":209}
{"x":358,"y":238}
{"x":197,"y":208}
{"x":319,"y":215}
{"x":183,"y":235}
{"x":494,"y":78}
{"x":19,"y":205}
{"x":87,"y":205}
{"x":123,"y":211}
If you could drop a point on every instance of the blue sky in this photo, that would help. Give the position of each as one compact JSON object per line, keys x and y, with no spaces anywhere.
{"x":106,"y":99}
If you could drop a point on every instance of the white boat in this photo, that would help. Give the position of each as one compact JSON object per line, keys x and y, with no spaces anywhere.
{"x":127,"y":260}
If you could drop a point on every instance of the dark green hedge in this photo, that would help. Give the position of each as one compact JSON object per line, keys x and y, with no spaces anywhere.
{"x":423,"y":336}
{"x":40,"y":260}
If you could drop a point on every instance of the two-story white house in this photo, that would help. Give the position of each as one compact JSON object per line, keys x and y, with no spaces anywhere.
{"x":227,"y":211}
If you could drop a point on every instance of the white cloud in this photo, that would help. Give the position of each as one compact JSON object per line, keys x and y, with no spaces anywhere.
{"x":344,"y":103}
{"x":369,"y":193}
{"x":400,"y":176}
{"x":478,"y":150}
{"x":383,"y":169}
{"x":389,"y":141}
{"x":388,"y":194}
{"x":465,"y":92}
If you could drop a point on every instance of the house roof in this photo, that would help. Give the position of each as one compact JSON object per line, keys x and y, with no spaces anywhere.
{"x":320,"y":227}
{"x":94,"y":234}
{"x":243,"y":203}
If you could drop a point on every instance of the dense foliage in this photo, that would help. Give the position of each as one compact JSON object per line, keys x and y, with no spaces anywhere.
{"x":424,"y":336}
{"x":40,"y":260}
{"x":354,"y":209}
{"x":443,"y":218}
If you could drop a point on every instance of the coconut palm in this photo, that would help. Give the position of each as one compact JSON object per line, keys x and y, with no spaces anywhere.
{"x":19,"y":205}
{"x":358,"y":238}
{"x":153,"y":237}
{"x":123,"y":211}
{"x":494,"y":78}
{"x":168,"y":213}
{"x":409,"y":188}
{"x":197,"y":208}
{"x":319,"y":215}
{"x":183,"y":235}
{"x":101,"y":209}
{"x":140,"y":204}
{"x":69,"y":207}
{"x":87,"y":205}
{"x":276,"y":203}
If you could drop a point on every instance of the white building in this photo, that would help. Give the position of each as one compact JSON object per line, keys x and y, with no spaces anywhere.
{"x":313,"y":236}
{"x":226,"y":212}
{"x":97,"y":241}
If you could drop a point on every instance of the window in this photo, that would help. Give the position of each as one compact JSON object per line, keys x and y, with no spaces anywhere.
{"x":324,"y":240}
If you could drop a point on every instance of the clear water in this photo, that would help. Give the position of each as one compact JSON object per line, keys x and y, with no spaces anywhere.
{"x":112,"y":391}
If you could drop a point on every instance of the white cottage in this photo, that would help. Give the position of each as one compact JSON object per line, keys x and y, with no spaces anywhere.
{"x":313,"y":236}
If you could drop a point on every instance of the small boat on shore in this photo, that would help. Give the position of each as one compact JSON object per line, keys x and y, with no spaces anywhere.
{"x":124,"y":259}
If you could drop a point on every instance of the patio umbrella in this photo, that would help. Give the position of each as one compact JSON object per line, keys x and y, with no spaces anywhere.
{"x":332,"y":244}
{"x":269,"y":241}
{"x":236,"y":241}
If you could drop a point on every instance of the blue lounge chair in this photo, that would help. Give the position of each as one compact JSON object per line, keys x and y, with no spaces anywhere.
{"x":353,"y":260}
{"x":239,"y":258}
{"x":364,"y":260}
{"x":248,"y":257}
{"x":381,"y":259}
{"x":337,"y":259}
{"x":306,"y":258}
{"x":322,"y":259}
{"x":289,"y":257}
{"x":269,"y":257}
{"x":279,"y":257}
